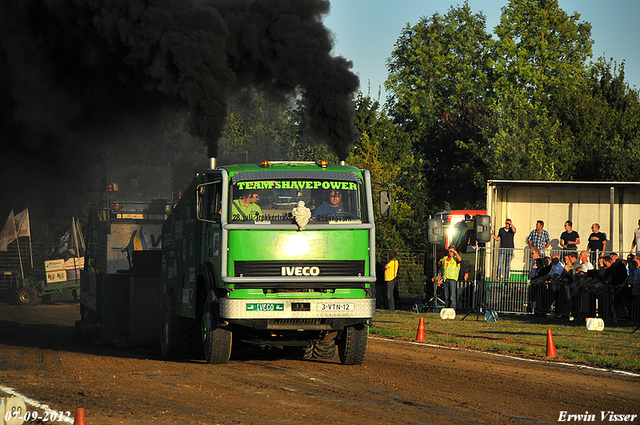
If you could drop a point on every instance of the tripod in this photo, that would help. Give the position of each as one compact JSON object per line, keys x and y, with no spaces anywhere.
{"x":479,"y":305}
{"x":433,"y":302}
{"x":479,"y":308}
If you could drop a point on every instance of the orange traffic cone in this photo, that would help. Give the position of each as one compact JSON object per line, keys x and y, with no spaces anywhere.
{"x":551,"y":346}
{"x":80,"y":420}
{"x":420,"y":334}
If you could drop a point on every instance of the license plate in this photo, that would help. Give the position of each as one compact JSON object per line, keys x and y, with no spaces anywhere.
{"x":265,"y":307}
{"x":335,"y":307}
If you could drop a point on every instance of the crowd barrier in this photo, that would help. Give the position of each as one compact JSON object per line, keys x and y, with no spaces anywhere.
{"x":516,"y":294}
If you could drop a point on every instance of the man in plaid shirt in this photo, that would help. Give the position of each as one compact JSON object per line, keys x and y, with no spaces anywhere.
{"x":539,"y":238}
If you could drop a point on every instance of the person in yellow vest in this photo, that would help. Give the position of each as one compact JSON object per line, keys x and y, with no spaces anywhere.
{"x":450,"y":271}
{"x":390,"y":275}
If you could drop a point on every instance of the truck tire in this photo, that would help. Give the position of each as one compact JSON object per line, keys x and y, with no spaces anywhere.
{"x":27,"y":296}
{"x":176,"y":330}
{"x":324,"y":350}
{"x":215,"y":339}
{"x":352,"y":345}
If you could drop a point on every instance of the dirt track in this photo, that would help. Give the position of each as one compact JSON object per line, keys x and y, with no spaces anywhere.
{"x":398,"y":383}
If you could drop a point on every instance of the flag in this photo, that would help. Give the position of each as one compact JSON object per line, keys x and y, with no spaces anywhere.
{"x":8,"y":234}
{"x":76,"y":240}
{"x":22,"y":223}
{"x":72,"y":243}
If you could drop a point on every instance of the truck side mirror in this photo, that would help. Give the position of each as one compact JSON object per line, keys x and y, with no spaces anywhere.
{"x":206,"y":206}
{"x":385,"y":204}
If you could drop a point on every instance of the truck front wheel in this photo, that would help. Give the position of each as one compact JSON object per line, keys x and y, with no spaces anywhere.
{"x":352,"y":344}
{"x":216,"y":339}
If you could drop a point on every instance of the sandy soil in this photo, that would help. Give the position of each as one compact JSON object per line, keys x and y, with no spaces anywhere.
{"x":399,"y":383}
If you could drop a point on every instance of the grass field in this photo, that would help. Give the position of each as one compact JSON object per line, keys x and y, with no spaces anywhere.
{"x":521,"y":335}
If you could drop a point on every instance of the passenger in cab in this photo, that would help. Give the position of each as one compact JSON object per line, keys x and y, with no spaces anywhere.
{"x":333,"y":207}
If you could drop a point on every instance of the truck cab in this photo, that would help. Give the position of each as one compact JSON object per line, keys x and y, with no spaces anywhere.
{"x":273,"y":254}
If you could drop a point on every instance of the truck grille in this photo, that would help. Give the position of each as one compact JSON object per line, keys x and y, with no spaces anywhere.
{"x":298,"y":268}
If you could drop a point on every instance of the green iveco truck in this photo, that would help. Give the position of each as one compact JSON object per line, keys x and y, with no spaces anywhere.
{"x":275,"y":254}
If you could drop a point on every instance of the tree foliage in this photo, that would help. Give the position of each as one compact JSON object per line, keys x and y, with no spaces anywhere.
{"x":439,"y":84}
{"x":523,"y":105}
{"x":539,"y":47}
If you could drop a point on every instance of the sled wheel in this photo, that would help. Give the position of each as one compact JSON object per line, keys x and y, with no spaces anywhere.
{"x":27,"y":296}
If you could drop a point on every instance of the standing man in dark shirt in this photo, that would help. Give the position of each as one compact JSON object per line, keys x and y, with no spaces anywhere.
{"x":597,"y":242}
{"x":569,"y":239}
{"x":505,"y":236}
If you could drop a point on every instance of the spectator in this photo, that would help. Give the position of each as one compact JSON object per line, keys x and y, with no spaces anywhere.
{"x":571,"y":259}
{"x":597,"y":241}
{"x":505,"y":236}
{"x":634,"y":280}
{"x":584,"y":261}
{"x":569,"y":239}
{"x":535,"y":254}
{"x":545,"y":274}
{"x":464,"y":271}
{"x":615,"y":273}
{"x":557,"y":268}
{"x":539,"y":238}
{"x":636,"y":241}
{"x":634,"y":273}
{"x":601,"y":265}
{"x":390,"y":275}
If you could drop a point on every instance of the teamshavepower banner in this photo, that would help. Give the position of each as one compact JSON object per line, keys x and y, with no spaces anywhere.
{"x":296,"y":184}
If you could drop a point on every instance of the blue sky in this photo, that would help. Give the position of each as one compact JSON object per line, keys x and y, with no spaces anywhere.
{"x":365,"y":31}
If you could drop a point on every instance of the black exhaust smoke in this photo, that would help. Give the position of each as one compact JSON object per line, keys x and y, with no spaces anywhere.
{"x":67,"y":66}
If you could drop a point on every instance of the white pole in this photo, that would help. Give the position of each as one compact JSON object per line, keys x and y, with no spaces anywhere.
{"x":20,"y":257}
{"x":30,"y":249}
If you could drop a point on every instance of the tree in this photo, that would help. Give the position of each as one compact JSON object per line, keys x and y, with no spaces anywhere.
{"x":258,"y":127}
{"x":608,"y":125}
{"x":523,"y":139}
{"x":540,"y":62}
{"x":385,"y":151}
{"x":439,"y":81}
{"x":433,"y":63}
{"x":539,"y":47}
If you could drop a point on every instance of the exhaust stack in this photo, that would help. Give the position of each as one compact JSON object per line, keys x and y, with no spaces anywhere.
{"x":343,"y":162}
{"x":212,"y":163}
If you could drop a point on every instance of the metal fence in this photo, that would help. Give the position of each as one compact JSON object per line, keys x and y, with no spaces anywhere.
{"x":514,"y":294}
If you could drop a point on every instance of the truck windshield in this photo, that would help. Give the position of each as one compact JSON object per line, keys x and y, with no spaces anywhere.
{"x":330,"y":201}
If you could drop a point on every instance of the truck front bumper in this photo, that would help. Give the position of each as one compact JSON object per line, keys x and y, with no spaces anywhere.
{"x":355,"y":308}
